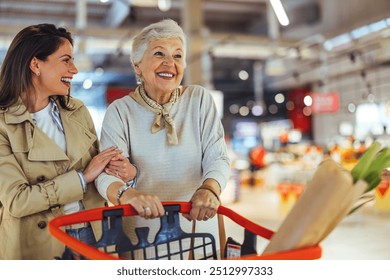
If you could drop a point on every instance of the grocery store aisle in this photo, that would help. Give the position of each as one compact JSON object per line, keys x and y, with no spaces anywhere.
{"x":364,"y":235}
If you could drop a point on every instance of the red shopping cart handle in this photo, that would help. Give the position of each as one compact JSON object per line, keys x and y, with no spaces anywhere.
{"x":128,"y":210}
{"x":313,"y":252}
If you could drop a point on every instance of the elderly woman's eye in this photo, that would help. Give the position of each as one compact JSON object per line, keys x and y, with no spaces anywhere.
{"x":178,"y":56}
{"x":158,"y":54}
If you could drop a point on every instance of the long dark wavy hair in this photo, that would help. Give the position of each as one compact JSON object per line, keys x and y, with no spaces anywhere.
{"x":38,"y":41}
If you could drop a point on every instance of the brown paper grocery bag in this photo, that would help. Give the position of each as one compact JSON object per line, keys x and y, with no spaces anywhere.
{"x":356,"y":192}
{"x":326,"y":200}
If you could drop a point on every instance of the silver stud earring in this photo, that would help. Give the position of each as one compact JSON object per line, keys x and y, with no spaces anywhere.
{"x":38,"y":74}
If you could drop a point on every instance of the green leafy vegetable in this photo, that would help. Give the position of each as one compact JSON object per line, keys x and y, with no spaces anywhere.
{"x":370,"y":166}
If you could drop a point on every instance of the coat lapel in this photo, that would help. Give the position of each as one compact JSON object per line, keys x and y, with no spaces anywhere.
{"x":79,"y":139}
{"x":43,"y":148}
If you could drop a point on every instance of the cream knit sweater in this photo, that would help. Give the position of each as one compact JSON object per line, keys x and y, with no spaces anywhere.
{"x":171,"y":172}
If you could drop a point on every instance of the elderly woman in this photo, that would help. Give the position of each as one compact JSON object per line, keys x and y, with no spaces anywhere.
{"x":171,"y":133}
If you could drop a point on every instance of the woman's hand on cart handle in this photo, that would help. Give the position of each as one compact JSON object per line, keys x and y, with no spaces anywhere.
{"x":205,"y":201}
{"x":147,"y":206}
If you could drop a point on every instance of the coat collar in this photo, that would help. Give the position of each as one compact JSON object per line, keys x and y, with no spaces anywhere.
{"x":17,"y":113}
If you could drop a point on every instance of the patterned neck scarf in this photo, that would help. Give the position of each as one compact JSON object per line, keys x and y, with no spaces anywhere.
{"x":162,"y":112}
{"x":55,"y":114}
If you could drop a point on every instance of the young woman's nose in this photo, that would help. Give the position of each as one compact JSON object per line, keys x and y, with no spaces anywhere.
{"x":73,"y":68}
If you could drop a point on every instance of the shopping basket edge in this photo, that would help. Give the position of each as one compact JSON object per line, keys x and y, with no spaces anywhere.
{"x":245,"y":223}
{"x":54,"y":226}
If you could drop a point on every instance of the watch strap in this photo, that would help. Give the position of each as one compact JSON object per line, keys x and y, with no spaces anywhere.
{"x":120,"y":192}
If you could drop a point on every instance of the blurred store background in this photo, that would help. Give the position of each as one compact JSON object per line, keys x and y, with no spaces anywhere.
{"x":290,"y":91}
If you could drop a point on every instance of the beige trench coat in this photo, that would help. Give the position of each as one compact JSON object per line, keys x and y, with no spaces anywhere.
{"x":37,"y":178}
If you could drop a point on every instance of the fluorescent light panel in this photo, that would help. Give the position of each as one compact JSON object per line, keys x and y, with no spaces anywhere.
{"x":280,"y":12}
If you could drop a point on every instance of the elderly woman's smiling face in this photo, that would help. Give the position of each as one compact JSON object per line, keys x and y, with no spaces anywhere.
{"x":162,"y":66}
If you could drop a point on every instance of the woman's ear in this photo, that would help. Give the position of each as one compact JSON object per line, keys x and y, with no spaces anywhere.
{"x":34,"y":66}
{"x":137,"y":69}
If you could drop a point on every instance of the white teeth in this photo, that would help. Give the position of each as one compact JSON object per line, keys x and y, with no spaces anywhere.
{"x":165,"y":75}
{"x":66,"y":80}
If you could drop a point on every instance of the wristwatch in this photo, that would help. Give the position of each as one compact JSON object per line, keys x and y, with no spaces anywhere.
{"x":120,"y":192}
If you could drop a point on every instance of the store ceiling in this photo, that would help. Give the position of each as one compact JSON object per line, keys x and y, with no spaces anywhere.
{"x":238,"y":32}
{"x":114,"y":22}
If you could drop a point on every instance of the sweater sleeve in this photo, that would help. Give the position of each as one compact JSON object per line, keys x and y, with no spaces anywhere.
{"x":114,"y":133}
{"x":215,"y":160}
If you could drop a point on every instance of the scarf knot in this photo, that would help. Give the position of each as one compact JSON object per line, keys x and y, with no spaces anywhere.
{"x":162,"y":119}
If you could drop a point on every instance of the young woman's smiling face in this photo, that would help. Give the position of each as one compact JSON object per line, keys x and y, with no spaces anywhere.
{"x":57,"y":71}
{"x":162,"y":66}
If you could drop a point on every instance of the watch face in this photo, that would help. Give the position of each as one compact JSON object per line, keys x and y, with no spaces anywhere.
{"x":121,"y":190}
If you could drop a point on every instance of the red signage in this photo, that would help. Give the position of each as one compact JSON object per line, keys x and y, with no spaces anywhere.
{"x":325,"y":102}
{"x":300,"y":121}
{"x":115,"y":93}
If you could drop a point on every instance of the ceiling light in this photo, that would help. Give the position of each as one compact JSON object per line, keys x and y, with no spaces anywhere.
{"x":244,"y":111}
{"x":308,"y":100}
{"x":306,"y":111}
{"x":279,"y":98}
{"x":164,"y":5}
{"x":290,"y":105}
{"x":351,"y":108}
{"x":99,"y":71}
{"x":273,"y":109}
{"x":257,"y":110}
{"x":87,"y":84}
{"x":234,"y":108}
{"x":243,"y":75}
{"x":280,"y":12}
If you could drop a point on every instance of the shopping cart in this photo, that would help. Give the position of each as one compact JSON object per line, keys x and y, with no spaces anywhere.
{"x":115,"y":244}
